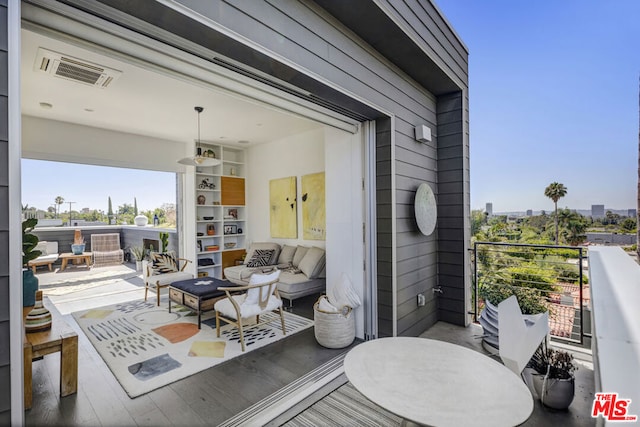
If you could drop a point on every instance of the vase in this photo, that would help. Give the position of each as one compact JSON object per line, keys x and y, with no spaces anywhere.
{"x":29,"y":288}
{"x":558,"y":393}
{"x":77,"y":249}
{"x":38,"y":319}
{"x":141,"y":220}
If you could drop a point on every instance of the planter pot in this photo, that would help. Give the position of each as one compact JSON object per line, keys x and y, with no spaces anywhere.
{"x":77,"y":249}
{"x":138,"y":265}
{"x":141,"y":220}
{"x":29,"y":288}
{"x":557,"y":394}
{"x":489,"y":321}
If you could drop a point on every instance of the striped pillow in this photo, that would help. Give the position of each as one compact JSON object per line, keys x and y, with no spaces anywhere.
{"x":260,"y":258}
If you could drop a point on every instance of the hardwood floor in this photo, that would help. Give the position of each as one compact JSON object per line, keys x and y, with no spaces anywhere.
{"x":206,"y":398}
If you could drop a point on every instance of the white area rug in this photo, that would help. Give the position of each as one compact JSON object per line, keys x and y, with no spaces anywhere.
{"x":146,"y":347}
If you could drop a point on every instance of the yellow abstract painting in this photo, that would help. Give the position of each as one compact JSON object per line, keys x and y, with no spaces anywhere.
{"x":313,"y":207}
{"x":283,"y":208}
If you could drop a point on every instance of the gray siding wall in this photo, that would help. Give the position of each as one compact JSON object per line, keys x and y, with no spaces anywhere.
{"x":384,"y":235}
{"x":5,"y":363}
{"x":453,"y":209}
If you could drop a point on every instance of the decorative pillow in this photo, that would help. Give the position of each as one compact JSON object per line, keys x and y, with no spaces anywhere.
{"x":163,"y":262}
{"x":300,"y":253}
{"x":42,"y":247}
{"x":313,"y":262}
{"x":253,"y":295}
{"x":343,"y":294}
{"x":286,"y":254}
{"x":260,"y":258}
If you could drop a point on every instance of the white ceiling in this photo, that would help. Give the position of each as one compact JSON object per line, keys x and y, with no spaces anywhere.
{"x":146,"y":102}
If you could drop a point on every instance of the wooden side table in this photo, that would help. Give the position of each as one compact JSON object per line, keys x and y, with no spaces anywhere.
{"x":83,"y":257}
{"x":38,"y":344}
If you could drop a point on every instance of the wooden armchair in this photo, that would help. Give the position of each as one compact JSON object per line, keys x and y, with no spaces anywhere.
{"x":261,"y":297}
{"x":162,"y":271}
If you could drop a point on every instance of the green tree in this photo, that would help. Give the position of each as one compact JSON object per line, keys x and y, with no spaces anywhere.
{"x":555,"y":191}
{"x":59,"y":200}
{"x":110,"y":211}
{"x":628,"y":225}
{"x":135,"y":206}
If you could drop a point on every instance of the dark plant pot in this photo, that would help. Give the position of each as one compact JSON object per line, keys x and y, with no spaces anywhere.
{"x":77,"y":249}
{"x":558,"y":393}
{"x":29,"y":287}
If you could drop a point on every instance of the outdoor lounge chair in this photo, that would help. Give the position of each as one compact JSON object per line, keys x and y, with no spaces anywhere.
{"x":106,"y":250}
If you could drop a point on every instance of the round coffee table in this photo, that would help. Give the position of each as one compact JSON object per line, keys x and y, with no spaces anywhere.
{"x":437,"y":383}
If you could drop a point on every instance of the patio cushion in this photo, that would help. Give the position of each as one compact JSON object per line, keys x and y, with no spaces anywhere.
{"x":169,"y":278}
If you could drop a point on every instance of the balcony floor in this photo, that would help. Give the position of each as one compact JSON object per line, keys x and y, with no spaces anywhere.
{"x":217,"y":394}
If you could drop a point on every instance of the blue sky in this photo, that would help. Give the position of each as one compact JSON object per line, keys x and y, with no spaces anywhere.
{"x":91,"y":186}
{"x":553,"y":97}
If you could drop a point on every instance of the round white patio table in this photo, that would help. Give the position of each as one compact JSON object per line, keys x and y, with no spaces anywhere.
{"x":432,"y":382}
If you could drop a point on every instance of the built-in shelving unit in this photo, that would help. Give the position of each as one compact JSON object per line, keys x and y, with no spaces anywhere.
{"x":220,"y":209}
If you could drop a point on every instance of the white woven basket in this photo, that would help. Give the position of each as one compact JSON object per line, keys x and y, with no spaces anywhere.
{"x":334,"y":330}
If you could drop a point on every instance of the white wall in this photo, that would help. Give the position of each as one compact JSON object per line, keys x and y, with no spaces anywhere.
{"x":298,"y":155}
{"x":339,"y":155}
{"x":44,"y":139}
{"x":345,"y":213}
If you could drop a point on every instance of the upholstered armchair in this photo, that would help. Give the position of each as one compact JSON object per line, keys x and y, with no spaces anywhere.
{"x":162,"y":270}
{"x":260,"y":297}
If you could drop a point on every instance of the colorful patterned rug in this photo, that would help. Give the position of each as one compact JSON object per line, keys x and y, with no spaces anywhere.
{"x":146,"y":347}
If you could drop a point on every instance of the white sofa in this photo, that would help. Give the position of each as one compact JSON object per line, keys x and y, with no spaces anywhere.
{"x":48,"y":257}
{"x":302,"y":269}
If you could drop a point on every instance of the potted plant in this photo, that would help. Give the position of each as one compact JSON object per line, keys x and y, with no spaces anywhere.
{"x":138,"y":254}
{"x":164,"y":241}
{"x":77,"y":248}
{"x":29,"y":252}
{"x":553,"y":376}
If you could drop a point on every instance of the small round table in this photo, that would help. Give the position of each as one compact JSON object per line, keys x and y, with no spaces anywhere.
{"x":432,"y":382}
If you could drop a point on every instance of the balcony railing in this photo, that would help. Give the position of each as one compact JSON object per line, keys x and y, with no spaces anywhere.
{"x":543,"y":277}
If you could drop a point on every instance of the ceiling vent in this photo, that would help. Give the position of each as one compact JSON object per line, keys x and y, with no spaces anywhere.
{"x":74,"y":69}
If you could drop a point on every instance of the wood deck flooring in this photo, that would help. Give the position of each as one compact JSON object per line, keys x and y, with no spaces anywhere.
{"x":206,"y":398}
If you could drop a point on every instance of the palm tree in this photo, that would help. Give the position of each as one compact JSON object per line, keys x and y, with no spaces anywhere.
{"x":555,"y":191}
{"x":59,"y":201}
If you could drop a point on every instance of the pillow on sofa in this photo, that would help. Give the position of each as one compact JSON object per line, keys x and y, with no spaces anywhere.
{"x":163,"y":262}
{"x":260,"y":258}
{"x":313,"y":262}
{"x":264,"y":246}
{"x":301,"y":251}
{"x":286,"y":254}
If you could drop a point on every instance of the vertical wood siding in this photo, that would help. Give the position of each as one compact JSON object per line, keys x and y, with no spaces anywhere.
{"x":453,"y":209}
{"x":5,"y":362}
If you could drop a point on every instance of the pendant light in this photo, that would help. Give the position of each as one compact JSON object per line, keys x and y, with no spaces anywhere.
{"x":199,"y":159}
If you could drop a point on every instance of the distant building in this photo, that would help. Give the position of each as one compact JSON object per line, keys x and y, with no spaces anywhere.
{"x":489,"y":209}
{"x":529,"y":212}
{"x":632,"y":213}
{"x":597,"y":211}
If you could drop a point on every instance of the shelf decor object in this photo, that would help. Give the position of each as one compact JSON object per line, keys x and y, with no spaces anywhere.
{"x":199,"y":159}
{"x":425,"y":209}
